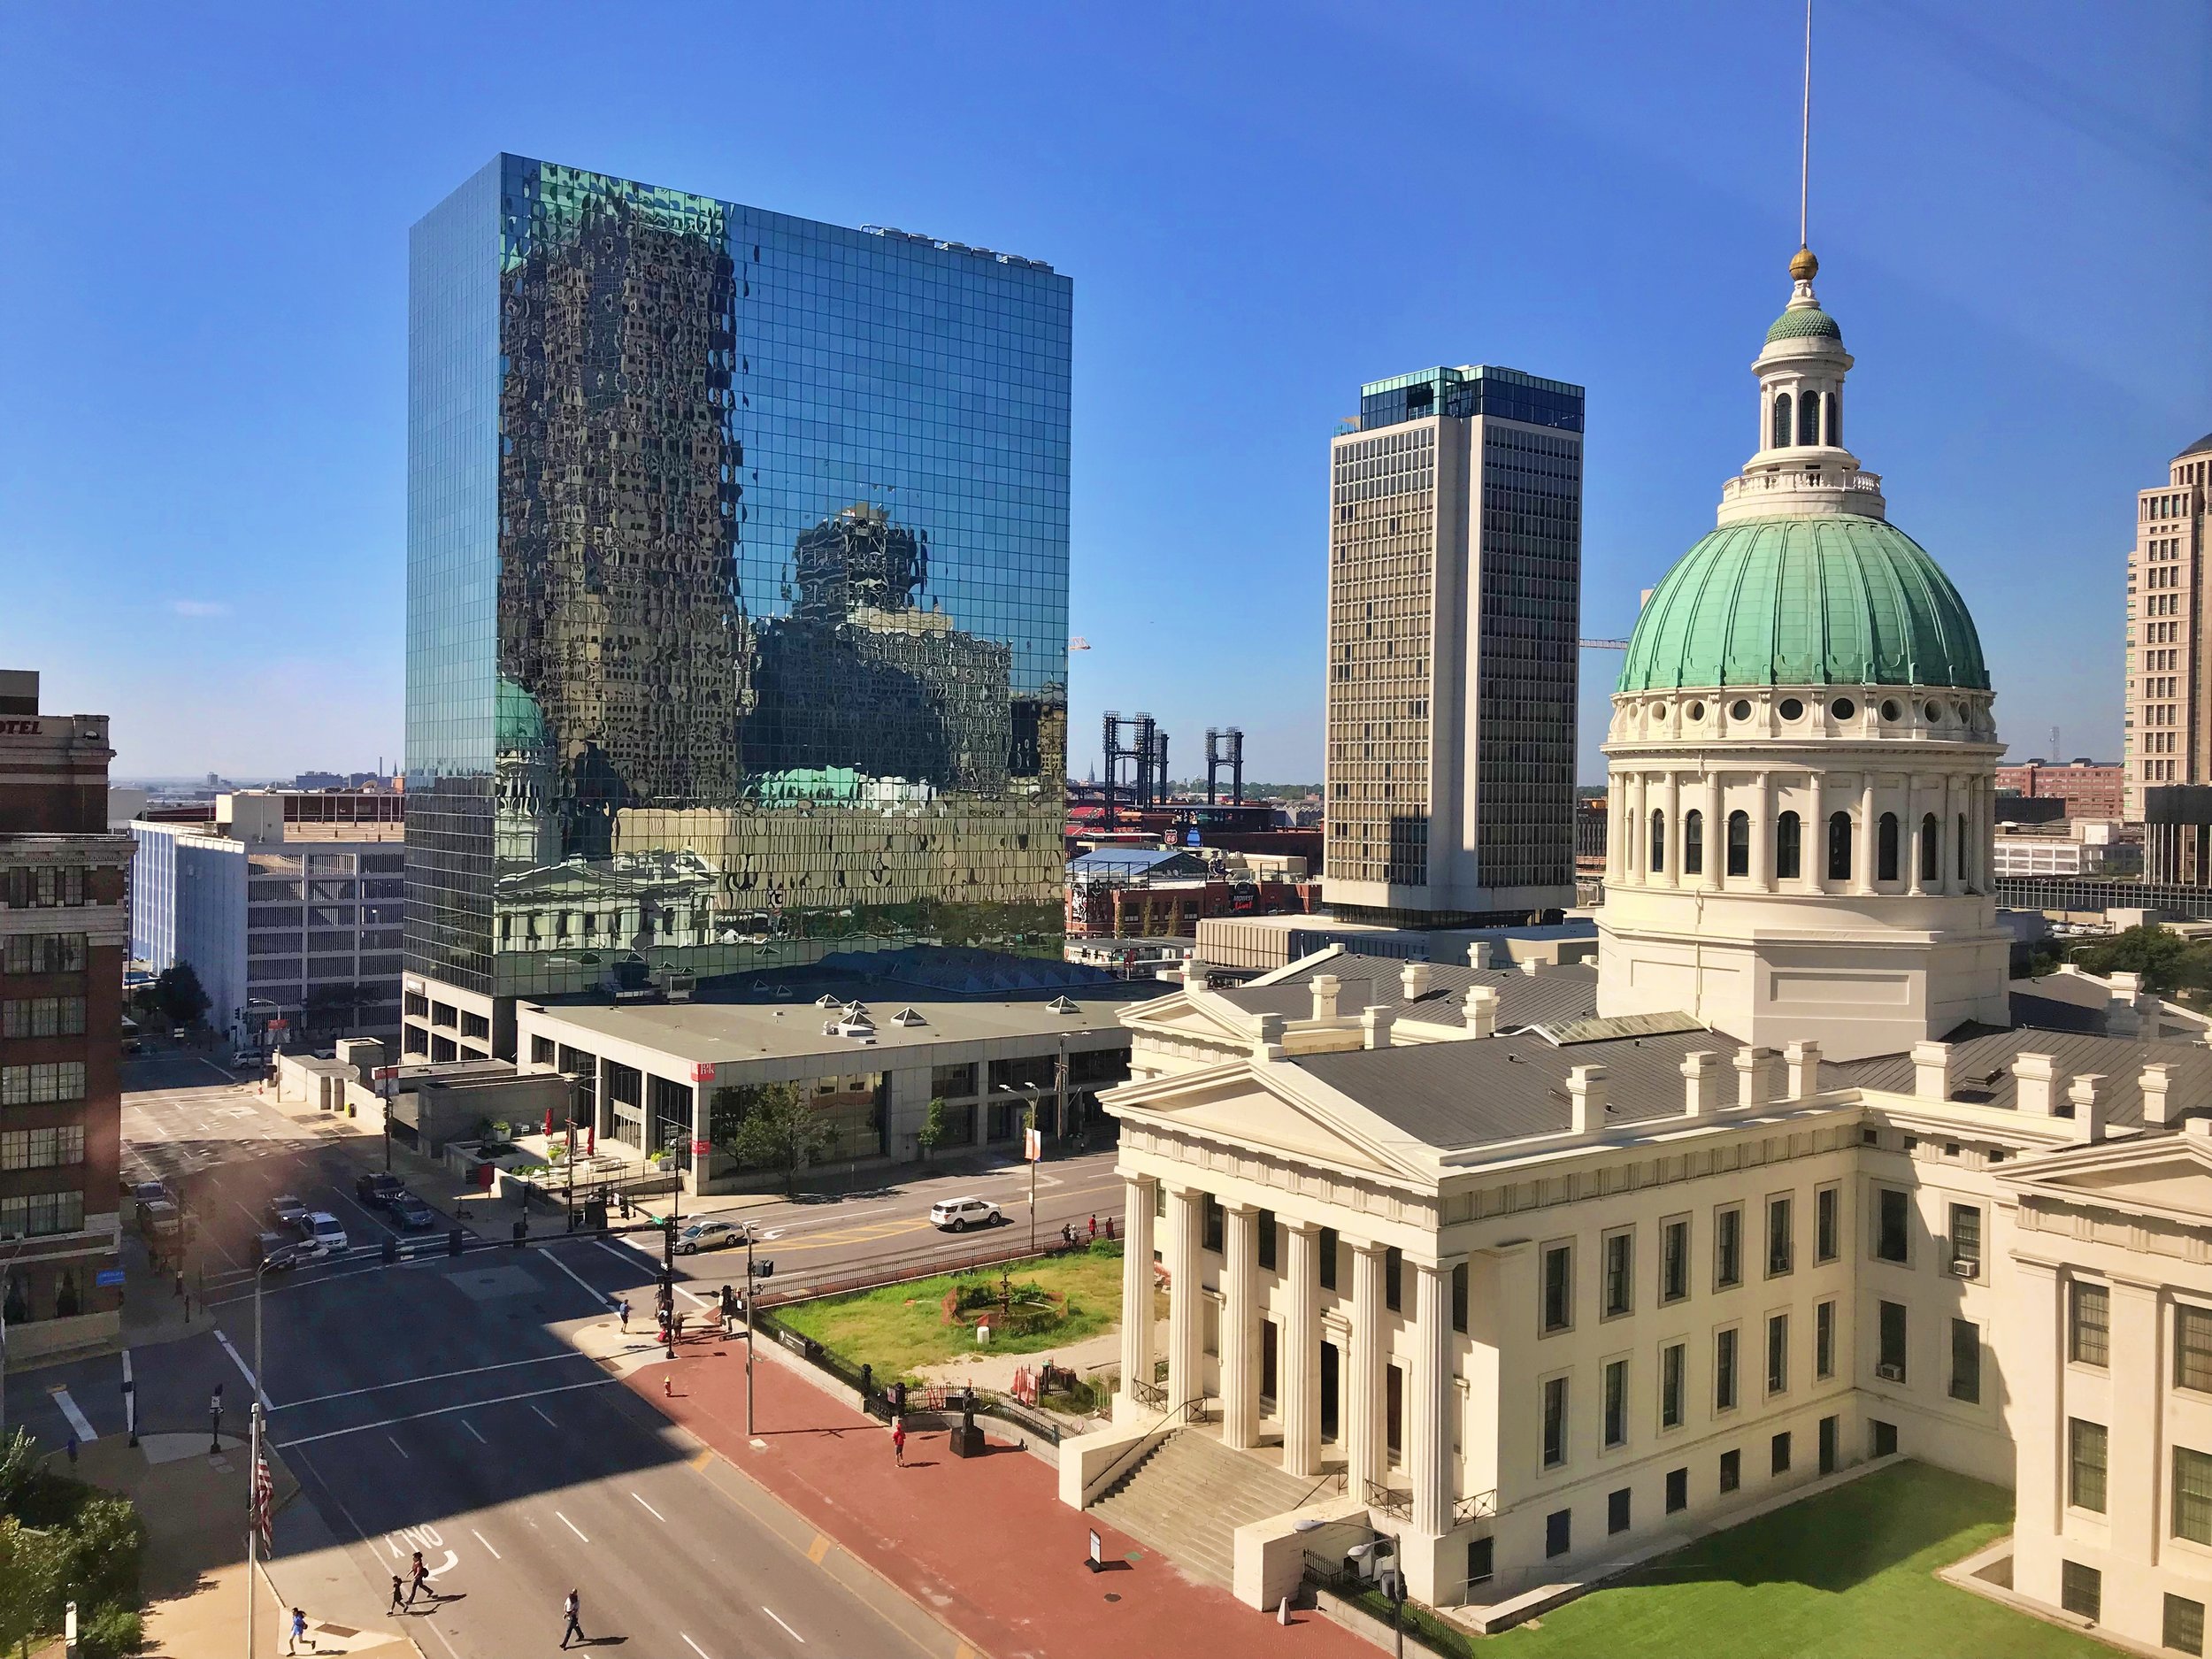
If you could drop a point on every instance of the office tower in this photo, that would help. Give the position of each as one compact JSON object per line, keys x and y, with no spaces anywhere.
{"x":2169,"y":736}
{"x":737,"y":593}
{"x":1455,"y":593}
{"x":62,"y":932}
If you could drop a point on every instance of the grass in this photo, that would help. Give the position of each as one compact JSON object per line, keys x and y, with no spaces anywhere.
{"x":899,"y":1328}
{"x":1845,"y":1574}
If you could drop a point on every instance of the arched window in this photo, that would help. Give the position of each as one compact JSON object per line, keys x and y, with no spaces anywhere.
{"x":1789,"y":835}
{"x":1838,"y":847}
{"x":1692,"y":844}
{"x":1835,"y":421}
{"x":1809,"y":419}
{"x":1885,"y":847}
{"x":1962,"y":846}
{"x":1739,"y":843}
{"x":1658,"y":842}
{"x":1931,"y":850}
{"x":1781,"y":420}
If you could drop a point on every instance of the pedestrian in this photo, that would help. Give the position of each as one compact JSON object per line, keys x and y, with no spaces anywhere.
{"x":898,"y":1441}
{"x":622,"y":1307}
{"x":419,"y":1578}
{"x":1093,"y":1229}
{"x":299,"y":1632}
{"x":573,"y":1608}
{"x":73,"y":1448}
{"x":397,"y":1604}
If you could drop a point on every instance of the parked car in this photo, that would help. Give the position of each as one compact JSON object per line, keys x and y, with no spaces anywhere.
{"x":156,"y":1192}
{"x":247,"y":1060}
{"x":326,"y":1232}
{"x":286,"y":1210}
{"x":958,"y":1215}
{"x":410,"y":1212}
{"x":710,"y":1235}
{"x":378,"y":1190}
{"x":157,"y":1218}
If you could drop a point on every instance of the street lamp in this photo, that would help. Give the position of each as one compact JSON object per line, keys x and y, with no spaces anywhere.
{"x":1027,"y":1129}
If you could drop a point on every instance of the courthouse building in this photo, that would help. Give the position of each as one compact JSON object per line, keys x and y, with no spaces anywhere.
{"x":1534,"y":1268}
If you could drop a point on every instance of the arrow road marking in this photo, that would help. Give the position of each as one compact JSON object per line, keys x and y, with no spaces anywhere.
{"x":450,"y":1562}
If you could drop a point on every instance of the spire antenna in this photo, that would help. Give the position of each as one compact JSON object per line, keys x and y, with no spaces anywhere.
{"x":1805,"y":139}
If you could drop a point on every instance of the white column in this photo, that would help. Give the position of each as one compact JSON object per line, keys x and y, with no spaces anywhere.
{"x":1762,"y":835}
{"x":1367,"y":1453}
{"x":1716,"y":832}
{"x":1430,"y":1449}
{"x":1812,"y":835}
{"x":1240,"y":1328}
{"x":1914,"y":882}
{"x":1639,"y":831}
{"x":1185,"y":1330}
{"x":1947,"y":836}
{"x":1670,"y":818}
{"x":1862,"y":864}
{"x":1300,"y":1353}
{"x":1136,"y":1293}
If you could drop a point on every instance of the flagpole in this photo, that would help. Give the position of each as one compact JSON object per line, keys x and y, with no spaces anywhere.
{"x":253,"y":1518}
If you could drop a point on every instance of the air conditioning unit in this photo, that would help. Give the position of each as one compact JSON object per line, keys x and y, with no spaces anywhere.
{"x":1965,"y":1267}
{"x":1890,"y":1373}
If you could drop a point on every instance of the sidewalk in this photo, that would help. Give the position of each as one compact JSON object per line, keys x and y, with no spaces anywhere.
{"x":984,"y":1544}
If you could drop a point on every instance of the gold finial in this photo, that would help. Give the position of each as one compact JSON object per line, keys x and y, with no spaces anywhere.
{"x":1804,"y":267}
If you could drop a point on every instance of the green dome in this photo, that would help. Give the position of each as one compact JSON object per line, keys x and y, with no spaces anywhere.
{"x":1838,"y":601}
{"x":1807,"y":322}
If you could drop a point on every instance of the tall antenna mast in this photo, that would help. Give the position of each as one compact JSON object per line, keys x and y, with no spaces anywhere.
{"x":1805,"y":141}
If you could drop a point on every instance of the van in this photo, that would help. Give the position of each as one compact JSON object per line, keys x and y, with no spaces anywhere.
{"x":326,"y":1233}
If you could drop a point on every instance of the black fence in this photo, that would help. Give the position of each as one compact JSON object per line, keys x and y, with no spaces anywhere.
{"x":2082,"y":895}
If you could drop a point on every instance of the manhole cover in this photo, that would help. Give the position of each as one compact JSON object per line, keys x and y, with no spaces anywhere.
{"x":1113,"y":1596}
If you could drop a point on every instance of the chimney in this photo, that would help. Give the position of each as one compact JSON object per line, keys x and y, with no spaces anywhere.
{"x":1413,"y":980}
{"x":1325,"y":988}
{"x":1700,"y":1084}
{"x":1931,"y":1071}
{"x":1803,"y":1060}
{"x":1586,"y":1092}
{"x":2160,"y":1110}
{"x":1482,"y":1010}
{"x":1194,"y":973}
{"x":1531,"y":966}
{"x":1754,"y":1079}
{"x":1268,"y":1045}
{"x":1374,"y":1025}
{"x":2089,"y":1111}
{"x":2201,"y":1127}
{"x":2123,"y":1015}
{"x":2034,"y":1075}
{"x":1478,"y":953}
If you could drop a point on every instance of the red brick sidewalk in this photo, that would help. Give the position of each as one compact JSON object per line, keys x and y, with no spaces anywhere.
{"x":984,"y":1544}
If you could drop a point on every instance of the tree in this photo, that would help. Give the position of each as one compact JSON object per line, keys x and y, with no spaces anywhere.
{"x":776,"y":1130}
{"x":934,"y":1128}
{"x":180,"y":995}
{"x":2167,"y":962}
{"x":33,"y":1565}
{"x":336,"y":1006}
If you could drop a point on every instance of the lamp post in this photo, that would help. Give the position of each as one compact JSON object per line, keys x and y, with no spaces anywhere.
{"x":1027,"y":1128}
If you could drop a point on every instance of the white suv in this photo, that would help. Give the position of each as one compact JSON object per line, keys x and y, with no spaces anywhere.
{"x":958,"y":1215}
{"x":326,"y":1233}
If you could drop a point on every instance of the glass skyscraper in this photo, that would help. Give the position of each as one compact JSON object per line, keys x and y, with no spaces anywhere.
{"x":737,"y":593}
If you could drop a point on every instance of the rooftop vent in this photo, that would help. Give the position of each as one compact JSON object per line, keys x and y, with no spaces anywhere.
{"x":1062,"y":1005}
{"x":908,"y":1016}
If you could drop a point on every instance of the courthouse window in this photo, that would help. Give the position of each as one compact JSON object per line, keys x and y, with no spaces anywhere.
{"x":2088,"y":1324}
{"x":2192,"y":1348}
{"x":2193,"y":1496}
{"x":2085,"y":1461}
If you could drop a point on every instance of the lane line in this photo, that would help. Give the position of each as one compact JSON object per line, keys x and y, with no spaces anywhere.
{"x":549,"y":1423}
{"x":651,"y":1510}
{"x":253,"y":1382}
{"x":633,"y":1256}
{"x":486,"y":1543}
{"x":599,"y":1296}
{"x":572,"y":1526}
{"x":471,"y":1428}
{"x":788,"y":1629}
{"x":396,"y":1447}
{"x":406,"y":1382}
{"x":693,"y":1645}
{"x":86,"y":1432}
{"x":474,"y":1405}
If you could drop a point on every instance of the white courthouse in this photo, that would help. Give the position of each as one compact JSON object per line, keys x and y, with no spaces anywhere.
{"x":1535,"y":1270}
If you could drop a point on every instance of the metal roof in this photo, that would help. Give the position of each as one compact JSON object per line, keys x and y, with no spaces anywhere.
{"x":1553,"y":997}
{"x":1981,"y":1068}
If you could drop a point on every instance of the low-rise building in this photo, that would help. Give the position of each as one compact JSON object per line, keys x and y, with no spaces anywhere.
{"x":2089,"y":788}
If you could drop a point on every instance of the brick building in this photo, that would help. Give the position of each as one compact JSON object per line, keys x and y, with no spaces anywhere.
{"x":2091,"y":788}
{"x":62,"y":938}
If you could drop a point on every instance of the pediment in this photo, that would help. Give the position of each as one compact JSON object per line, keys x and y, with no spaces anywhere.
{"x":1178,"y":1016}
{"x":2167,"y":1175}
{"x":1232,"y":1103}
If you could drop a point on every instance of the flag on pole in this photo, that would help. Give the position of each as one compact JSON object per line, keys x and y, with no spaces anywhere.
{"x":263,"y":1501}
{"x":1034,"y":1145}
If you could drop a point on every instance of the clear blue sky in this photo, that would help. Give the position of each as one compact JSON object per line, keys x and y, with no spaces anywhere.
{"x":201,"y":394}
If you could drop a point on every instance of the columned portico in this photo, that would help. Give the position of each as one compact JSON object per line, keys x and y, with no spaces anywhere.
{"x":1300,"y":1355}
{"x":1240,"y":1328}
{"x":1368,"y":1454}
{"x":1136,"y":1293}
{"x":1185,"y":1330}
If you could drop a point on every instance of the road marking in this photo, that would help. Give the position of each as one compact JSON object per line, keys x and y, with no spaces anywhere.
{"x":405,"y":1382}
{"x":486,"y":1543}
{"x":964,"y":1652}
{"x":818,"y":1548}
{"x":600,"y":1296}
{"x":222,"y":1337}
{"x":450,"y":1562}
{"x":471,"y":1427}
{"x":788,"y":1629}
{"x":396,"y":1447}
{"x":549,"y":1423}
{"x":332,"y":1434}
{"x":572,"y":1526}
{"x":86,"y":1432}
{"x":651,"y":1510}
{"x":693,"y":1645}
{"x":625,"y":1255}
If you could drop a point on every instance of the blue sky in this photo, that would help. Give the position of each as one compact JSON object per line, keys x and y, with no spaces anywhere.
{"x":200,"y":396}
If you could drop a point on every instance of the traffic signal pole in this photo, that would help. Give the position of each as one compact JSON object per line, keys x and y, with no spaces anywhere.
{"x":752,"y":1297}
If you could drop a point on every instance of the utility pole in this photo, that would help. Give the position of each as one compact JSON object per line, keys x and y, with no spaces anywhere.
{"x":1060,"y":1089}
{"x":253,"y":1517}
{"x":752,"y":1294}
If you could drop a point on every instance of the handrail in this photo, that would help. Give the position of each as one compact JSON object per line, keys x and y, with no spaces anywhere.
{"x":1379,"y":1496}
{"x":1481,"y":1506}
{"x":1337,"y":1480}
{"x":1165,"y":1425}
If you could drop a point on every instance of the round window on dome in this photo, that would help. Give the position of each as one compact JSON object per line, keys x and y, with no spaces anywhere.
{"x":1958,"y":709}
{"x":1791,"y":709}
{"x":1658,"y":712}
{"x":1935,"y":714}
{"x":1891,"y":710}
{"x":1843,"y":708}
{"x":1739,"y":710}
{"x":1694,"y":711}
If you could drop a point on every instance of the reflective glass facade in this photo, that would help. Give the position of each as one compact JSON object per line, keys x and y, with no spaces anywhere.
{"x":737,"y":587}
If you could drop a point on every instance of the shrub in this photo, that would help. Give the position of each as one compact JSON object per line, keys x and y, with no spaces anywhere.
{"x":112,"y":1631}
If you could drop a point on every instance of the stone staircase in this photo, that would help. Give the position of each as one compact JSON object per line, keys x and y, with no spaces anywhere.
{"x":1189,"y":1495}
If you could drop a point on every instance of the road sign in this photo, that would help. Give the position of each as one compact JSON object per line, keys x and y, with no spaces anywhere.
{"x":1034,"y":1144}
{"x":108,"y":1276}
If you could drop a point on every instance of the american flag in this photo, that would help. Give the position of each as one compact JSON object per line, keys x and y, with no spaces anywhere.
{"x":264,"y":1502}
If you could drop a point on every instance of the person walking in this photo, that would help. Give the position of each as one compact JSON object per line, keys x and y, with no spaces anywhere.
{"x":1093,"y":1230}
{"x":419,"y":1578}
{"x":898,"y":1441}
{"x":399,"y":1604}
{"x":73,"y":1448}
{"x":622,"y":1307}
{"x":573,"y":1609}
{"x":298,"y":1634}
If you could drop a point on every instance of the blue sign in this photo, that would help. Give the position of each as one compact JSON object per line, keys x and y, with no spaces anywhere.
{"x":108,"y":1276}
{"x":1192,"y":839}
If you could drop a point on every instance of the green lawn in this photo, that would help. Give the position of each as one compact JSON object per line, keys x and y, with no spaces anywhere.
{"x":899,"y":1327}
{"x":1848,"y":1573}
